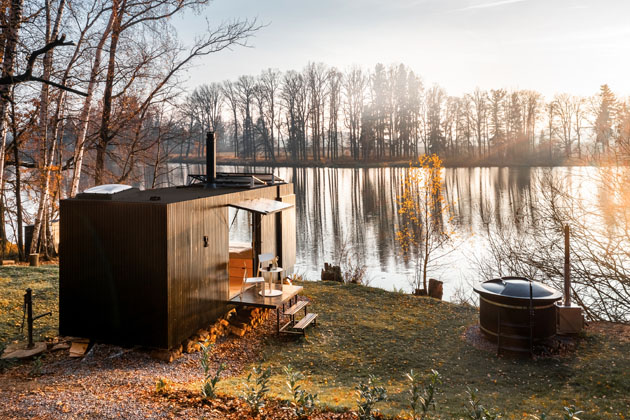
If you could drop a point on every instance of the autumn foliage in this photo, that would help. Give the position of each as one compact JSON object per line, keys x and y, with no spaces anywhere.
{"x":424,"y":223}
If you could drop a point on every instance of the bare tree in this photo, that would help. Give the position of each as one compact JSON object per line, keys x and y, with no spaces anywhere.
{"x":153,"y":15}
{"x":600,"y":269}
{"x":354,"y":86}
{"x":230,"y":93}
{"x":565,"y":109}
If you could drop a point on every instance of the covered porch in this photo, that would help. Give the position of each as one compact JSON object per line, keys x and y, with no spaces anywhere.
{"x":246,"y":245}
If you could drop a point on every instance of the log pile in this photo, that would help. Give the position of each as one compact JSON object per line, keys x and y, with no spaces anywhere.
{"x":247,"y":318}
{"x":236,"y":321}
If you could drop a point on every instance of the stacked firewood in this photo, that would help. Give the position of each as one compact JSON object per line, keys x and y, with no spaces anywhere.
{"x":236,"y":321}
{"x":247,"y":318}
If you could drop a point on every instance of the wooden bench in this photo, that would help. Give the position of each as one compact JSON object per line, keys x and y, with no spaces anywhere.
{"x":305,"y":322}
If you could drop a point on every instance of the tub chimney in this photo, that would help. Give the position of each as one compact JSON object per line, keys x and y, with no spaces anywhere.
{"x":211,"y":160}
{"x":567,"y":268}
{"x":569,"y":316}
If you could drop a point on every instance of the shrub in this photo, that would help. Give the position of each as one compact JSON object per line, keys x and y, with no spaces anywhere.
{"x":571,"y":412}
{"x":209,"y":387}
{"x":255,"y":392}
{"x":303,"y":402}
{"x":422,"y":393}
{"x":162,"y":386}
{"x":369,"y":395}
{"x":476,"y":411}
{"x":36,"y":367}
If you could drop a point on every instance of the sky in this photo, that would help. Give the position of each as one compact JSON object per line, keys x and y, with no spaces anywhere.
{"x":552,"y":46}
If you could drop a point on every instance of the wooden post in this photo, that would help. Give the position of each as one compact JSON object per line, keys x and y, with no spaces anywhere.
{"x":256,"y":238}
{"x":567,"y":267}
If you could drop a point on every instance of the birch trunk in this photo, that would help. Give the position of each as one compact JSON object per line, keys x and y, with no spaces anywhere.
{"x":15,"y":20}
{"x":85,"y":112}
{"x":104,"y":132}
{"x":47,"y":155}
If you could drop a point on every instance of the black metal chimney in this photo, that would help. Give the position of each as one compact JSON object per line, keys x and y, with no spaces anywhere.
{"x":211,"y":160}
{"x":567,"y":267}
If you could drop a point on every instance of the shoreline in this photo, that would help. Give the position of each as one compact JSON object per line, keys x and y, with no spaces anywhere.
{"x":385,"y":164}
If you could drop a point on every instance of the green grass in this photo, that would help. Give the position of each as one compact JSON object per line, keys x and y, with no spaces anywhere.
{"x":14,"y":280}
{"x":366,"y":331}
{"x":363,"y":331}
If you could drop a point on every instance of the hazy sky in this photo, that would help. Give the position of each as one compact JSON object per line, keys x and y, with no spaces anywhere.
{"x":547,"y":45}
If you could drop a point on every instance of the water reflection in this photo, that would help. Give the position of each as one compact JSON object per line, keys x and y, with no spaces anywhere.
{"x":341,"y":209}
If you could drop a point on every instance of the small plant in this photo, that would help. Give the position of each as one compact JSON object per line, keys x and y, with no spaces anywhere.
{"x":571,"y":412}
{"x":5,"y":363}
{"x":423,"y":394}
{"x":476,"y":411}
{"x":36,"y":367}
{"x":162,"y":386}
{"x":255,"y":392}
{"x":369,"y":395}
{"x":209,"y":387}
{"x":303,"y":402}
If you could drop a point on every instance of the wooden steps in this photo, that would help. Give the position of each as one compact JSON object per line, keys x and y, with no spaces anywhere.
{"x":296,"y":308}
{"x":306,"y":321}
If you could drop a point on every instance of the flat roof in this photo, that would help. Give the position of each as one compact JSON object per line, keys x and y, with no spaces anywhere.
{"x":167,"y":195}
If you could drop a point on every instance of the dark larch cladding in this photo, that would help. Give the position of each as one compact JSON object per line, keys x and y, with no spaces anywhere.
{"x":112,"y":271}
{"x":151,"y":267}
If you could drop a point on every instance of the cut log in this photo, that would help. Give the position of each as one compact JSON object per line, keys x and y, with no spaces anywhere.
{"x":436,"y":289}
{"x":237,"y":331}
{"x":33,"y":260}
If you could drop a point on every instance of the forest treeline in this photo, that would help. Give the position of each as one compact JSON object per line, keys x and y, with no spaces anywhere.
{"x":93,"y":92}
{"x":322,"y":113}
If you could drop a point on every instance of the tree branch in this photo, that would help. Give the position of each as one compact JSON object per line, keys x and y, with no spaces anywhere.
{"x":27,"y":76}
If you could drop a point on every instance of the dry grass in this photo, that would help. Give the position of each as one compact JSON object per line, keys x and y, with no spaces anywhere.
{"x":366,"y":331}
{"x":361,"y":331}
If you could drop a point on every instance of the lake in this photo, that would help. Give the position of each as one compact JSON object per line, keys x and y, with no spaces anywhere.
{"x":353,"y":211}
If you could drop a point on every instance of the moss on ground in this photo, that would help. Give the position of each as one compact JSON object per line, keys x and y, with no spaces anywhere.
{"x":14,"y":280}
{"x":365,"y":331}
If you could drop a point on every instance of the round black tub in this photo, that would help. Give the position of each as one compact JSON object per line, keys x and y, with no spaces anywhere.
{"x":508,"y":299}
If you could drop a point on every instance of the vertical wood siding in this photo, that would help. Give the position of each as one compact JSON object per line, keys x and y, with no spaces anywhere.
{"x":198,"y":279}
{"x":112,"y":272}
{"x":138,"y":273}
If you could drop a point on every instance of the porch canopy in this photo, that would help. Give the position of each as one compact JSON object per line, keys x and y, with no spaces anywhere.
{"x":262,"y":206}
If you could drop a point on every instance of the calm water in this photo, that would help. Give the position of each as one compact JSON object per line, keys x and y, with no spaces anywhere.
{"x":343,"y":210}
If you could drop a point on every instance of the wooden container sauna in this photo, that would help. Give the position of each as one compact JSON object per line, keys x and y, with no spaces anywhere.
{"x":152,"y":267}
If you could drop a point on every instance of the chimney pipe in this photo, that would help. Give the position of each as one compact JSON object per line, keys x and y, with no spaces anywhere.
{"x":211,"y":160}
{"x":567,"y":268}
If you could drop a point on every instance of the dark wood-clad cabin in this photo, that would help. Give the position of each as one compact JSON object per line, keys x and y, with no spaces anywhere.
{"x":152,"y":267}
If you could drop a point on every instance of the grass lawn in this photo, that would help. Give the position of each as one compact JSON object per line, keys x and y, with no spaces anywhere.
{"x":363,"y":331}
{"x":366,"y":331}
{"x":14,"y":280}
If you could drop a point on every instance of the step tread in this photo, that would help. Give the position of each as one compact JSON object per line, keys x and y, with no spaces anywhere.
{"x":296,"y":308}
{"x":305,"y":322}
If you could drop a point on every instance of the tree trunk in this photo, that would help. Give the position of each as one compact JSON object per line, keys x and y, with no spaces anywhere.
{"x":11,"y":40}
{"x":47,"y":156}
{"x":104,"y":136}
{"x":85,"y":112}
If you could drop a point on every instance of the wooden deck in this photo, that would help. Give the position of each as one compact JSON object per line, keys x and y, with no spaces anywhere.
{"x":251,"y":297}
